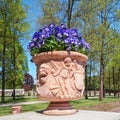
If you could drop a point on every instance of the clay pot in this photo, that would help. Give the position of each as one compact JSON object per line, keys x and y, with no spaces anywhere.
{"x":60,"y":78}
{"x":16,"y":109}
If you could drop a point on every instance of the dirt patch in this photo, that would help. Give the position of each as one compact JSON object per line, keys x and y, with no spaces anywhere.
{"x":115,"y":110}
{"x":111,"y":106}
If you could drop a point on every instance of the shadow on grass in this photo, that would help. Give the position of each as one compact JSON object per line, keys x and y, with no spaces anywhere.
{"x":40,"y":111}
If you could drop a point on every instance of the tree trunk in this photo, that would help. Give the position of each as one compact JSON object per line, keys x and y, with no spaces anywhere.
{"x":3,"y":73}
{"x":69,"y":12}
{"x":3,"y":65}
{"x":101,"y":81}
{"x":90,"y":77}
{"x":119,"y":83}
{"x":94,"y":82}
{"x":102,"y":93}
{"x":14,"y":79}
{"x":102,"y":72}
{"x":114,"y":90}
{"x":109,"y":85}
{"x":86,"y":83}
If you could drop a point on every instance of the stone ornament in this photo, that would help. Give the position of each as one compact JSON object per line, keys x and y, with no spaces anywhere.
{"x":61,"y":78}
{"x":16,"y":109}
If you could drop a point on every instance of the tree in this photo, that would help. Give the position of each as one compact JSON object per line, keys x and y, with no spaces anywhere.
{"x":3,"y":16}
{"x":103,"y":32}
{"x":12,"y":20}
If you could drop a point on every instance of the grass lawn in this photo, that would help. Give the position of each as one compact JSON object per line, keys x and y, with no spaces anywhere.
{"x":95,"y":104}
{"x":20,"y":99}
{"x":90,"y":104}
{"x":25,"y":108}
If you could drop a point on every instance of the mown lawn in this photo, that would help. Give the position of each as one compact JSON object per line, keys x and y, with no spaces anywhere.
{"x":25,"y":108}
{"x":20,"y":99}
{"x":90,"y":104}
{"x":95,"y":104}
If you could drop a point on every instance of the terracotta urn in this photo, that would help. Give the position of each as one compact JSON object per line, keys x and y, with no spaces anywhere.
{"x":60,"y":78}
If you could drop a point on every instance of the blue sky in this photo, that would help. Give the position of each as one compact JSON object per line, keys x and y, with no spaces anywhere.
{"x":32,"y":16}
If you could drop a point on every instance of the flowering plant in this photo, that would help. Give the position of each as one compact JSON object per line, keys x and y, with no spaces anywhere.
{"x":53,"y":37}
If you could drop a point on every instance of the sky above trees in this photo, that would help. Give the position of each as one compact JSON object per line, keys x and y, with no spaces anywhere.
{"x":32,"y":13}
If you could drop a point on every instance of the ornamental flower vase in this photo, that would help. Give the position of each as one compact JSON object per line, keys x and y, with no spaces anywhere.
{"x":60,"y":78}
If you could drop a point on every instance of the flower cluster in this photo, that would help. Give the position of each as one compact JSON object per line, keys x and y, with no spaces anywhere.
{"x":53,"y":37}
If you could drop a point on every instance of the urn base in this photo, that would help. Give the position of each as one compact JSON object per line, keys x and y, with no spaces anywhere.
{"x":59,"y":108}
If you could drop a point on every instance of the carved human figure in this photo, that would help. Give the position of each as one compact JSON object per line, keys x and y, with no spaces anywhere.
{"x":79,"y":84}
{"x":64,"y":75}
{"x":79,"y":78}
{"x":46,"y":84}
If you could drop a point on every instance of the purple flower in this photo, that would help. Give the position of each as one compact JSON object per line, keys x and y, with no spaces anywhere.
{"x":36,"y":35}
{"x":58,"y":29}
{"x":63,"y":26}
{"x":69,"y":48}
{"x":86,"y":46}
{"x":57,"y":36}
{"x":66,"y":32}
{"x":51,"y":25}
{"x":79,"y":43}
{"x":66,"y":40}
{"x":31,"y":44}
{"x":42,"y":36}
{"x":46,"y":29}
{"x":58,"y":39}
{"x":74,"y":32}
{"x":76,"y":41}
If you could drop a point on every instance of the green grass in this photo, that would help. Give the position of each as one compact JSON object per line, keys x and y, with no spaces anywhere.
{"x":20,"y":99}
{"x":90,"y":104}
{"x":5,"y":111}
{"x":34,"y":107}
{"x":25,"y":108}
{"x":95,"y":104}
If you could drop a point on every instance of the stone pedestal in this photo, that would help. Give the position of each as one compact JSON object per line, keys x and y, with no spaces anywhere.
{"x":59,"y":108}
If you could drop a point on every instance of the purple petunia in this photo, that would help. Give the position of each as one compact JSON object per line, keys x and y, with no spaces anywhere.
{"x":71,"y":39}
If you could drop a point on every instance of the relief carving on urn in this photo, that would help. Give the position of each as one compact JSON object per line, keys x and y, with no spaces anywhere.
{"x":61,"y":80}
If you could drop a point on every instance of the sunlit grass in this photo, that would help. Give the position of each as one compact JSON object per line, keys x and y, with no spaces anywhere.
{"x":25,"y":108}
{"x":20,"y":99}
{"x":94,"y":104}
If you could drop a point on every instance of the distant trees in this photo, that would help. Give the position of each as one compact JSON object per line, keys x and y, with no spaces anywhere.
{"x":13,"y":59}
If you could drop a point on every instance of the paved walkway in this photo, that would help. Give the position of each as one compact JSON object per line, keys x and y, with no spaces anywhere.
{"x":22,"y":103}
{"x":80,"y":115}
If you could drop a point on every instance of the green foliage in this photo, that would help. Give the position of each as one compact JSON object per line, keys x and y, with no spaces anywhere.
{"x":13,"y":28}
{"x":51,"y":13}
{"x":50,"y":45}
